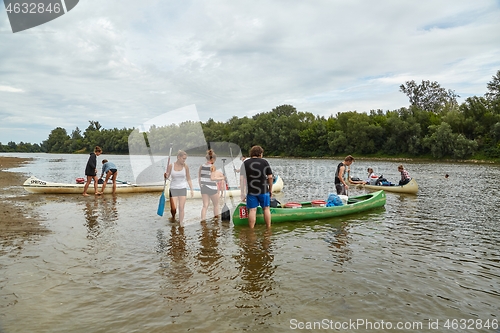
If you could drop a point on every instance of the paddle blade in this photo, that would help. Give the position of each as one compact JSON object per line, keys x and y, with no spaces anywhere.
{"x":226,"y":214}
{"x":161,"y":204}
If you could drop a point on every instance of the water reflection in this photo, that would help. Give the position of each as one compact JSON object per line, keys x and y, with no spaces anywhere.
{"x":109,"y":212}
{"x":337,"y":239}
{"x":100,"y":214}
{"x":209,"y":254}
{"x":406,"y":204}
{"x":255,"y":261}
{"x":174,"y":264}
{"x":91,"y":218}
{"x":176,"y":249}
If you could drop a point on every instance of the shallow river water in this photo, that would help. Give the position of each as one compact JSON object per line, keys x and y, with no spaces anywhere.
{"x":423,"y":263}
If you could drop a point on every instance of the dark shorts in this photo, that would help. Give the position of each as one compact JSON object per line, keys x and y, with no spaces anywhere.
{"x":340,"y":189}
{"x":404,"y":182}
{"x":207,"y":190}
{"x":90,"y":174}
{"x":113,"y":171}
{"x":178,"y":192}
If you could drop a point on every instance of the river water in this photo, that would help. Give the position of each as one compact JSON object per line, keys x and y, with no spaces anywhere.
{"x":428,"y":262}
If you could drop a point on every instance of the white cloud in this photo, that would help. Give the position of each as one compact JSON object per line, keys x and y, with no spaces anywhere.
{"x":123,"y":63}
{"x":11,"y":89}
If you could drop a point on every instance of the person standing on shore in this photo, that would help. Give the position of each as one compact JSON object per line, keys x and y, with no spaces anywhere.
{"x":91,"y":171}
{"x":341,"y":174}
{"x":109,"y":169}
{"x":257,"y":174}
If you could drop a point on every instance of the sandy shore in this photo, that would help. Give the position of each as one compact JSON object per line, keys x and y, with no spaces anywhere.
{"x":17,"y":222}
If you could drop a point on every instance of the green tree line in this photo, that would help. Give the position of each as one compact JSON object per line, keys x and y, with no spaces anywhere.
{"x":433,"y":125}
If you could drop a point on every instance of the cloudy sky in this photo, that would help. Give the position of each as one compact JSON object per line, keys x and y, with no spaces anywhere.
{"x":125,"y":62}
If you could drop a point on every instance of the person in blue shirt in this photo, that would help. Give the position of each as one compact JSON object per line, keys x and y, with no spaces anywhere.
{"x":109,"y":169}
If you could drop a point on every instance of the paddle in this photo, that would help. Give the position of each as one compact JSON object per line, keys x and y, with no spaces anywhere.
{"x":226,"y":214}
{"x":234,"y":168}
{"x":161,"y":204}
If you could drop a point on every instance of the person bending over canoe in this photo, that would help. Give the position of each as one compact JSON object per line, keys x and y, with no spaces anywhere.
{"x":91,"y":171}
{"x":109,"y":169}
{"x":341,"y":175}
{"x":257,"y":174}
{"x":405,"y":176}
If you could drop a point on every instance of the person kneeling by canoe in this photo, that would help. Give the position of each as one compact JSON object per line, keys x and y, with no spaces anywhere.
{"x":405,"y":176}
{"x":109,"y":169}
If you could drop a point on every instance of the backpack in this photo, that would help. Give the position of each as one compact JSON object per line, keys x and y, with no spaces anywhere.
{"x":381,"y":180}
{"x":333,"y":200}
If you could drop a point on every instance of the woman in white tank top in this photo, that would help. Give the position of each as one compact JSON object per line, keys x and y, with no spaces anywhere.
{"x":178,"y":172}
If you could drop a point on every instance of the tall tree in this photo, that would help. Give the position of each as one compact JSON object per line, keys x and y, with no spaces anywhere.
{"x":494,"y":88}
{"x":429,"y":96}
{"x":58,"y":141}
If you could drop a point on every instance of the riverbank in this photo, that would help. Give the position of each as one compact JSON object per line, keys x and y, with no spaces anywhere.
{"x":394,"y":159}
{"x":17,"y":220}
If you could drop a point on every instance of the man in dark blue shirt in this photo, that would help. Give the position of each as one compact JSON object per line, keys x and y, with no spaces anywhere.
{"x":256,"y":173}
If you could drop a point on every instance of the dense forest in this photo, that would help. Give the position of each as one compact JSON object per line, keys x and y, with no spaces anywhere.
{"x":433,"y":125}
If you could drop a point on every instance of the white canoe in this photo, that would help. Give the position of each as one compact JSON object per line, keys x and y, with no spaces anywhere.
{"x":411,"y":187}
{"x":235,"y":192}
{"x":35,"y":185}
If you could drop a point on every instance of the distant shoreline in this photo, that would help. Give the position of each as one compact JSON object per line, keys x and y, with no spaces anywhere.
{"x":392,"y":159}
{"x":359,"y":158}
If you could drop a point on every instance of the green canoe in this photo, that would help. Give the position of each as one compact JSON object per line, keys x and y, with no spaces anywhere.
{"x":355,"y":204}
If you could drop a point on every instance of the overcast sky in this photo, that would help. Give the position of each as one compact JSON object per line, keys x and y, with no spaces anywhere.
{"x":125,"y":62}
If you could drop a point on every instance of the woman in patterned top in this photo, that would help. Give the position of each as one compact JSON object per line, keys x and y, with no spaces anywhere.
{"x":405,"y":176}
{"x":208,"y":178}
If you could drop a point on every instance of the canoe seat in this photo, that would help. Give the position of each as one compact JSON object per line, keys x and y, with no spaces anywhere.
{"x":293,"y":205}
{"x":318,"y":203}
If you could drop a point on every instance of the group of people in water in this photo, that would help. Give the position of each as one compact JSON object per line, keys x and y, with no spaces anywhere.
{"x":211,"y":182}
{"x":108,"y":168}
{"x":343,"y":177}
{"x":256,"y":181}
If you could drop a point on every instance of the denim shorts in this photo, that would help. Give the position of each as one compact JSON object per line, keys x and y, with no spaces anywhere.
{"x":253,"y":201}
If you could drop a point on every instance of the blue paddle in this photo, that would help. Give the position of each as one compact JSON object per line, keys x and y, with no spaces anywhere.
{"x":161,"y":204}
